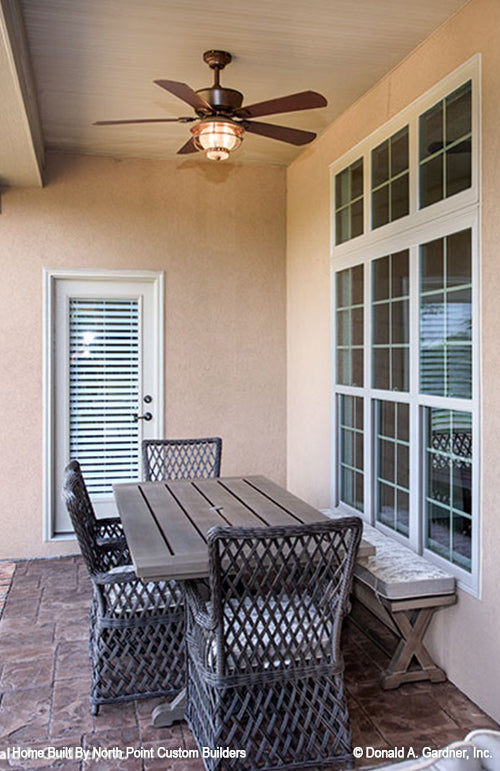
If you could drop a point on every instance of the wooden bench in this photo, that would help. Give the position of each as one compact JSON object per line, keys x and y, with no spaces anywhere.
{"x":404,"y":591}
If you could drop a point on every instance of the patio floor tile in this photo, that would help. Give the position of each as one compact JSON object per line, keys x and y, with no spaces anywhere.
{"x":45,"y":683}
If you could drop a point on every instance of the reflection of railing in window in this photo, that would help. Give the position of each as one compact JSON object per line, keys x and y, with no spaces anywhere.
{"x":451,"y":449}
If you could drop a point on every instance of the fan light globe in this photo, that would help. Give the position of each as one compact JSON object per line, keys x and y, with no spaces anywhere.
{"x":217,"y":138}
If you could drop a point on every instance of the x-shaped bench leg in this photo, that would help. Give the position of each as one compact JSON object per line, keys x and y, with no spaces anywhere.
{"x":412,"y":624}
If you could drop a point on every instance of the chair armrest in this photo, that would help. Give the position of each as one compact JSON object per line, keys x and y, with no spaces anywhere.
{"x":120,"y":574}
{"x":109,"y":527}
{"x":198,"y":607}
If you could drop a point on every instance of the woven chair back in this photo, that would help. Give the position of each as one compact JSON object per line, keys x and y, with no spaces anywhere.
{"x":181,"y":458}
{"x":280,"y":593}
{"x":81,"y":512}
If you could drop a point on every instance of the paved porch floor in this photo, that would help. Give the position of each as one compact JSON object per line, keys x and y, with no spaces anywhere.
{"x":44,"y":687}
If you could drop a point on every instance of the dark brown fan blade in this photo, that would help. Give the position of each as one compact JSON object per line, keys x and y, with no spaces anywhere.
{"x":283,"y":133}
{"x":143,"y":120}
{"x":304,"y":100}
{"x":189,"y":147}
{"x":184,"y":92}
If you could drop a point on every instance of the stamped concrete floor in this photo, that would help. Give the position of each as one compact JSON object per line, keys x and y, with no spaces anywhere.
{"x":44,"y":689}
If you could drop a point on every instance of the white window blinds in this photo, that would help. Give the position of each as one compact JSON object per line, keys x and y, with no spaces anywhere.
{"x":104,"y":390}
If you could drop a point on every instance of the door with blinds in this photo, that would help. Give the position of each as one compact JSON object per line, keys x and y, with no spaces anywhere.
{"x":106,"y":382}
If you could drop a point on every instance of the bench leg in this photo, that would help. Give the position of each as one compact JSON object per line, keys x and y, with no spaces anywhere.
{"x":412,"y":626}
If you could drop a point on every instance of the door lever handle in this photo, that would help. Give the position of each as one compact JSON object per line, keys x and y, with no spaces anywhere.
{"x":147,"y":416}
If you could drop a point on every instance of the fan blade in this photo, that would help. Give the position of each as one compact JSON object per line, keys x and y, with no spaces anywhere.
{"x":304,"y":100}
{"x":142,"y":120}
{"x":282,"y":133}
{"x":189,"y":147}
{"x":184,"y":92}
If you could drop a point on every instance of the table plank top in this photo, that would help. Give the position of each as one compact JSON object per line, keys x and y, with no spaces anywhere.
{"x":166,"y":523}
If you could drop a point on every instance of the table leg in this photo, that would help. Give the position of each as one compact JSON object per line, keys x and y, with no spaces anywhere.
{"x":169,"y":712}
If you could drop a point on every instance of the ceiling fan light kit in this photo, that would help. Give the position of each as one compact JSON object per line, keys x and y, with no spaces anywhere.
{"x":217,"y":138}
{"x":222,"y":120}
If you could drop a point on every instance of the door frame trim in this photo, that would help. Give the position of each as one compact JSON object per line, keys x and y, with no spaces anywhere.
{"x":50,"y":278}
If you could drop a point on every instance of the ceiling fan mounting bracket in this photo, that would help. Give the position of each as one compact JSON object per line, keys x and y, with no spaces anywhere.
{"x":217,"y":60}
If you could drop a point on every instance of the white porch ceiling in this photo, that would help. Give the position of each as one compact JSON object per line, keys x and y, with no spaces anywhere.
{"x":97,"y":59}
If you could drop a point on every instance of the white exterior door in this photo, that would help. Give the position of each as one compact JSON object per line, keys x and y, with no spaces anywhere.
{"x":105,"y":373}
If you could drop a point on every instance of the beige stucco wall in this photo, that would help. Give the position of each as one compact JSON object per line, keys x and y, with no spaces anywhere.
{"x":465,"y":639}
{"x":218,"y":233}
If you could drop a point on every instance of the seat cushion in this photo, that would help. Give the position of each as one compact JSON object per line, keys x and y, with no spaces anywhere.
{"x":395,"y":572}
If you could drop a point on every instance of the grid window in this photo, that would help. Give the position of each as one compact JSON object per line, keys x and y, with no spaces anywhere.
{"x":349,"y":202}
{"x":351,"y":451}
{"x":446,"y":316}
{"x":390,"y":327}
{"x":390,"y":179}
{"x":445,"y":134}
{"x":350,"y":326}
{"x":448,"y":508}
{"x":393,"y":466}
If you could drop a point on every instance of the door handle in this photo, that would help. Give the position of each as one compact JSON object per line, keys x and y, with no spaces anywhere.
{"x":147,"y":416}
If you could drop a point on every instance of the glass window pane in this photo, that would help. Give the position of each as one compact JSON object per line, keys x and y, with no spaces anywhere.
{"x":381,"y":368}
{"x":459,"y":371}
{"x":343,"y":367}
{"x":343,"y":282}
{"x":387,"y":419}
{"x":400,"y":369}
{"x":357,"y":219}
{"x":357,"y":326}
{"x":403,"y":423}
{"x":400,"y":274}
{"x":459,"y":315}
{"x":357,"y":368}
{"x":357,"y":179}
{"x":404,"y":466}
{"x":400,"y":197}
{"x":381,"y":290}
{"x":403,"y":510}
{"x":342,"y":226}
{"x":343,"y":327}
{"x":462,"y":541}
{"x":385,"y":512}
{"x":432,"y":265}
{"x":400,"y":311}
{"x":357,"y":285}
{"x":386,"y":460}
{"x":380,"y":207}
{"x":458,"y":259}
{"x":381,"y":333}
{"x":380,"y":164}
{"x":431,"y":131}
{"x":342,"y":189}
{"x":392,"y":499}
{"x":399,"y":152}
{"x":458,"y":168}
{"x":458,"y":113}
{"x":431,"y":181}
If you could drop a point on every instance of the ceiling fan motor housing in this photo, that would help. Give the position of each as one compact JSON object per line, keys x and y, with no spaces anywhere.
{"x":222,"y":100}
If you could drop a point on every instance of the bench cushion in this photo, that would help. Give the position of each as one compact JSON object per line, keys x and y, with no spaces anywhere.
{"x":396,"y":572}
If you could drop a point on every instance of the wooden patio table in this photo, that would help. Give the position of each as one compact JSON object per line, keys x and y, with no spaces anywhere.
{"x":166,"y":525}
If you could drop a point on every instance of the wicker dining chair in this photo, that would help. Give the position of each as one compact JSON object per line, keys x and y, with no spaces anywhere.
{"x":106,"y":530}
{"x":136,"y":630}
{"x":265,"y":673}
{"x":181,"y":458}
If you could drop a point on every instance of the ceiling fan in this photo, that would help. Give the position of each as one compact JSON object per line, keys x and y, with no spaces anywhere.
{"x":221,"y":120}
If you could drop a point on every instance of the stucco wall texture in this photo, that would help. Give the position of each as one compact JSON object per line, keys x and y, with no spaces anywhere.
{"x":464,"y":639}
{"x":218,"y":233}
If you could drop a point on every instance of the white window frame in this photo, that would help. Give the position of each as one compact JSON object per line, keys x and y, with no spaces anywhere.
{"x":453,"y":214}
{"x":50,"y":277}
